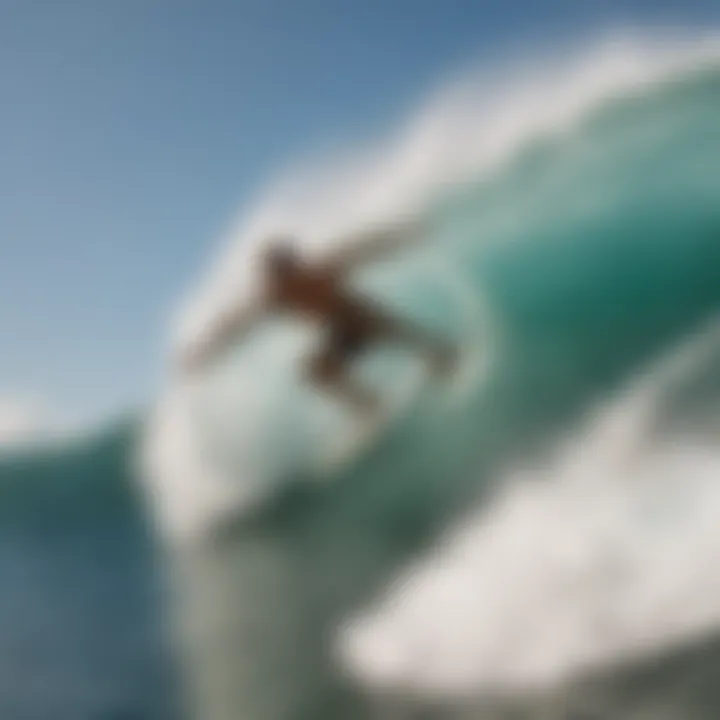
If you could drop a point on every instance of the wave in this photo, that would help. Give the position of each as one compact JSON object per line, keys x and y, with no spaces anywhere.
{"x":606,"y":554}
{"x":72,"y":479}
{"x":528,"y":165}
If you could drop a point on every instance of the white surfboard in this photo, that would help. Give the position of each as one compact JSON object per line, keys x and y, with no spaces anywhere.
{"x":452,"y":388}
{"x":364,"y":432}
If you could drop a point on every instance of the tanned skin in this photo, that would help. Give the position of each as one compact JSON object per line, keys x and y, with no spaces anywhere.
{"x":320,"y":292}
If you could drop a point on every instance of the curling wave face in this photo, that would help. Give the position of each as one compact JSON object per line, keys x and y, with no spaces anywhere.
{"x":524,"y":163}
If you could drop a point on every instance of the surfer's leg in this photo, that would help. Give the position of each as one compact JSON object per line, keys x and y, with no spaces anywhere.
{"x":440,"y":353}
{"x":329,"y":369}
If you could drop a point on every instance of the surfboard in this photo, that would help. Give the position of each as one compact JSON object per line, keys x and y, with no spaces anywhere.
{"x":363,"y":433}
{"x":400,"y":397}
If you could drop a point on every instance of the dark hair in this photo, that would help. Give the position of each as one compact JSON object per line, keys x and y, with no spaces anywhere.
{"x":280,"y":253}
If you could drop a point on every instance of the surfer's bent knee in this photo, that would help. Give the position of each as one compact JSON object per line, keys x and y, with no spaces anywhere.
{"x":324,"y":367}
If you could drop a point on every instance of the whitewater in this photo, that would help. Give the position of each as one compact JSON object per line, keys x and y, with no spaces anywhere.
{"x":558,"y":520}
{"x":607,"y":552}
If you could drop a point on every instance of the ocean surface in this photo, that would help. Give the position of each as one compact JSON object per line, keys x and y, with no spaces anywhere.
{"x":544,"y":546}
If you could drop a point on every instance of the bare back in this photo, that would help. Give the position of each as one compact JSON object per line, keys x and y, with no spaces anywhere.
{"x":318,"y":293}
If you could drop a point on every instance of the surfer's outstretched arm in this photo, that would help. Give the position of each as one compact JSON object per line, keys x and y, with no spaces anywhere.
{"x":228,"y":329}
{"x":372,"y":246}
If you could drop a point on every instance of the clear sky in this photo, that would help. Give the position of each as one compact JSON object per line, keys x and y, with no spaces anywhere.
{"x":133,"y":131}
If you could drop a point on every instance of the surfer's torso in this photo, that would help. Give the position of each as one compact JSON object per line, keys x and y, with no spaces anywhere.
{"x":318,"y":294}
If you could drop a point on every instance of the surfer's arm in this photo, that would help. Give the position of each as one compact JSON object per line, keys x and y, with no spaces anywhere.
{"x":230,"y":328}
{"x":375,"y":245}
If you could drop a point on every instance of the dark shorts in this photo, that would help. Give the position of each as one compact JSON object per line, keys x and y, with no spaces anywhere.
{"x":347,"y":341}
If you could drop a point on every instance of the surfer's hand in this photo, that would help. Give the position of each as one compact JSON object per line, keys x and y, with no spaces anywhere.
{"x":377,"y":244}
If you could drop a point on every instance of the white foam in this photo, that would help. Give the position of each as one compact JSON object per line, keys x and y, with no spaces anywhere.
{"x":608,"y":552}
{"x":29,"y":424}
{"x":20,"y":423}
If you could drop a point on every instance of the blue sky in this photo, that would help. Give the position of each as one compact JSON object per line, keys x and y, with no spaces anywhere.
{"x":133,"y":132}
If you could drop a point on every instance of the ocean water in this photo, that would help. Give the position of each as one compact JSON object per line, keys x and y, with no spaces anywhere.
{"x":81,"y":605}
{"x":543,"y":547}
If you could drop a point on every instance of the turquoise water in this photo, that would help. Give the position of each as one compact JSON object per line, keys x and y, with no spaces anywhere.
{"x":595,"y":253}
{"x":81,"y":605}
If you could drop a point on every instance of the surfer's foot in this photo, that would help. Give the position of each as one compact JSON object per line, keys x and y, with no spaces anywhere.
{"x":364,"y":402}
{"x":368,"y":406}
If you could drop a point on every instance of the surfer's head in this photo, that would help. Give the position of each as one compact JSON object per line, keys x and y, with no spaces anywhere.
{"x":280,"y":256}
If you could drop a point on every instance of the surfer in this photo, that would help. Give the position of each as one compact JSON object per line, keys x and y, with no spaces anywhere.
{"x":319,"y":292}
